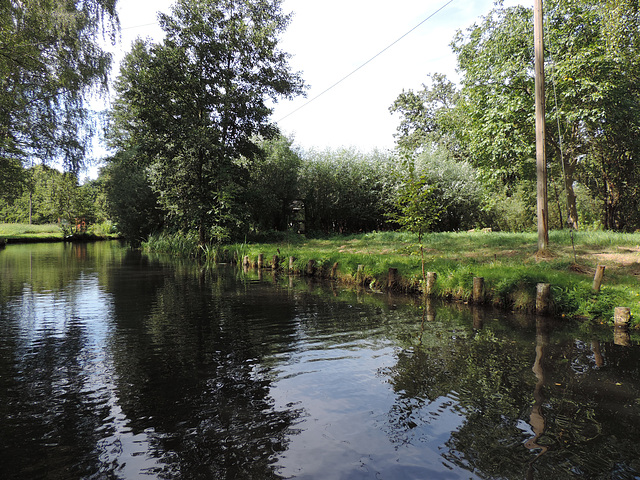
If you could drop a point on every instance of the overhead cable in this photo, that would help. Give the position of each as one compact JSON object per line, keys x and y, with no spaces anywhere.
{"x":366,"y":63}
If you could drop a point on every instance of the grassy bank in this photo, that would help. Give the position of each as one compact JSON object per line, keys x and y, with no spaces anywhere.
{"x":22,"y":232}
{"x":507,"y":262}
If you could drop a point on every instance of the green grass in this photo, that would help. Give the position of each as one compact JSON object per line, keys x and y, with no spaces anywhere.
{"x":22,"y":230}
{"x":507,"y":262}
{"x":51,"y":231}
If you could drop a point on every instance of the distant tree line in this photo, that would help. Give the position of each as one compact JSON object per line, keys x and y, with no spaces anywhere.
{"x":47,"y":195}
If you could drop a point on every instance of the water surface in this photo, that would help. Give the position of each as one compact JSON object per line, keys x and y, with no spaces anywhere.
{"x":114,"y":364}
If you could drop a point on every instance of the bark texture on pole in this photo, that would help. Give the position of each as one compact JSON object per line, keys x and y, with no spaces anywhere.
{"x":478,"y":289}
{"x":432,"y":277}
{"x":622,"y":316}
{"x":543,"y":298}
{"x":597,"y":278}
{"x":541,"y":161}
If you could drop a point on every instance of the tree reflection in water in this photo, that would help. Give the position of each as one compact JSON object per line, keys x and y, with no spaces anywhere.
{"x":559,"y":422}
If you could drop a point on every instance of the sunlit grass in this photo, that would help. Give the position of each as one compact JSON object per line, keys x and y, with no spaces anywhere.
{"x":507,"y":261}
{"x":23,"y":230}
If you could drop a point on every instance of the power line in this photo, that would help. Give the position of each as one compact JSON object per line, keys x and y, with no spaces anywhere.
{"x":365,"y":63}
{"x":139,"y":26}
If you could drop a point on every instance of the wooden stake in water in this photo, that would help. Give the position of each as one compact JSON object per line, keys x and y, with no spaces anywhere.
{"x":478,"y":289}
{"x":543,"y":298}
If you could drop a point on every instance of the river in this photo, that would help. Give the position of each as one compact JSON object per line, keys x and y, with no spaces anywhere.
{"x":117,"y":364}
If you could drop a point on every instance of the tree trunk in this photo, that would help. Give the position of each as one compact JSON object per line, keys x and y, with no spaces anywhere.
{"x":202,"y":232}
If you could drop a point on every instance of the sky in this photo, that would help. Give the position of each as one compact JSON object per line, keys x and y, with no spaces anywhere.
{"x":328,"y":40}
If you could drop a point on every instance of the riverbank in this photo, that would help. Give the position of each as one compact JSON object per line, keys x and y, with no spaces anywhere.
{"x":506,"y":261}
{"x":12,"y":233}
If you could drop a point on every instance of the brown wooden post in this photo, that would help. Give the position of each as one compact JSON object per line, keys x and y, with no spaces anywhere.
{"x":334,"y":270}
{"x":543,"y":298}
{"x":246,"y":263}
{"x":311,"y":268}
{"x":478,"y":289}
{"x":291,"y":261}
{"x":621,"y":336}
{"x":622,"y":316}
{"x":478,"y":321}
{"x":431,"y":283}
{"x":260,"y":260}
{"x":392,"y":278}
{"x":276,"y":262}
{"x":597,"y":279}
{"x":360,"y":275}
{"x":430,"y":310}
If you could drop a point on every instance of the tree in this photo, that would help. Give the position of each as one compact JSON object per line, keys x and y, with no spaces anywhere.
{"x":50,"y":63}
{"x":131,"y":202}
{"x":592,"y":102}
{"x":346,"y":191}
{"x":417,"y":207}
{"x":274,"y":184}
{"x":49,"y":196}
{"x":193,"y":104}
{"x":425,"y":115}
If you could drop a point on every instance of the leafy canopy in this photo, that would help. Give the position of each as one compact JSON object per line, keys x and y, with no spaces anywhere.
{"x":50,"y":63}
{"x":192,"y":105}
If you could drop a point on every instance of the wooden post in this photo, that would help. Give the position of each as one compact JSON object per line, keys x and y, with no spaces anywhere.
{"x":291,"y":261}
{"x":360,"y":275}
{"x":311,"y":268}
{"x":597,"y":279}
{"x":276,"y":262}
{"x":260,"y":260}
{"x":541,"y":158}
{"x":245,"y":262}
{"x":478,"y":322}
{"x":430,"y":310}
{"x":431,"y":283}
{"x":622,"y":316}
{"x":334,"y":270}
{"x":392,"y":278}
{"x":478,"y":289}
{"x":543,"y":298}
{"x":621,"y":336}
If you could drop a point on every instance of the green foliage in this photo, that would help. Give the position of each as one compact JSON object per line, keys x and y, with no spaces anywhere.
{"x":130,"y":200}
{"x":273,"y":185}
{"x":193,"y":104}
{"x":456,"y":189}
{"x":51,"y":61}
{"x":53,"y":196}
{"x":513,"y":210}
{"x":12,"y":178}
{"x":179,"y":244}
{"x":346,"y":191}
{"x":424,"y":115}
{"x":416,"y":205}
{"x":592,"y":105}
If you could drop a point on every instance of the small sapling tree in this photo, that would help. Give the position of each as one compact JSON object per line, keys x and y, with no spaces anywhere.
{"x":417,"y":209}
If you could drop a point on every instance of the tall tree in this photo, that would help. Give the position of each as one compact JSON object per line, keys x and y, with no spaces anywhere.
{"x":51,"y":61}
{"x":592,"y":100}
{"x":193,"y":104}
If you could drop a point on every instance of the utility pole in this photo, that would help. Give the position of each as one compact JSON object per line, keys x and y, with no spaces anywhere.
{"x":541,"y":161}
